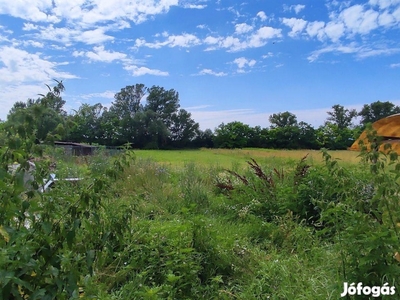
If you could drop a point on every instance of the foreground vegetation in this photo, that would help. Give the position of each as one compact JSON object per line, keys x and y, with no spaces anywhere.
{"x":134,"y":228}
{"x":204,"y":224}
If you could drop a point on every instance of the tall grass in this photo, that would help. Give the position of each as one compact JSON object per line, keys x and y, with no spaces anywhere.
{"x":241,"y":224}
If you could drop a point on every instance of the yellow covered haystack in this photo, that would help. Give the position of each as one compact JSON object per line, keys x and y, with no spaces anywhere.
{"x":388,"y":128}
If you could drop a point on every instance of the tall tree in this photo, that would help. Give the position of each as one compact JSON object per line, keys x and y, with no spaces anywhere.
{"x":332,"y":137}
{"x":282,"y":119}
{"x":45,"y":116}
{"x":232,"y":135}
{"x":307,"y":136}
{"x":53,"y":99}
{"x":376,"y":111}
{"x":183,"y":129}
{"x":342,"y":117}
{"x":164,"y":103}
{"x":204,"y":139}
{"x":88,"y":126}
{"x":128,"y":101}
{"x":126,"y":106}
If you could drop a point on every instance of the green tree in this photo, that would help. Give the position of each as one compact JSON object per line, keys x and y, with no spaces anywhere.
{"x":376,"y":111}
{"x":259,"y":137}
{"x":307,"y":136}
{"x":128,"y":101}
{"x":332,"y":137}
{"x":284,"y":132}
{"x":204,"y":139}
{"x":282,"y":119}
{"x":232,"y":135}
{"x":286,"y":137}
{"x":341,"y":116}
{"x":45,"y":116}
{"x":88,"y":127}
{"x":163,"y":102}
{"x":125,"y":107}
{"x":183,"y":129}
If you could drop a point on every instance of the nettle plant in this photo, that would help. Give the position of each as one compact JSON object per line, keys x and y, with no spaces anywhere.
{"x":49,"y":241}
{"x":363,"y":213}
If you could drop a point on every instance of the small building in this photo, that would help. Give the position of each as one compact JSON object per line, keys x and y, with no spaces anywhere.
{"x":76,"y":149}
{"x":388,"y":129}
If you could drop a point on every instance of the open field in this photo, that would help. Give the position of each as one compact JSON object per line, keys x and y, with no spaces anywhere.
{"x":176,"y":225}
{"x":227,"y":158}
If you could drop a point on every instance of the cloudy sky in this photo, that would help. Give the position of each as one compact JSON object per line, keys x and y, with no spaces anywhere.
{"x":229,"y":60}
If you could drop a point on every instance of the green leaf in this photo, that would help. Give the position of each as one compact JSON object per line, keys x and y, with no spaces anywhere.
{"x":90,"y":255}
{"x":47,"y":226}
{"x":70,"y":238}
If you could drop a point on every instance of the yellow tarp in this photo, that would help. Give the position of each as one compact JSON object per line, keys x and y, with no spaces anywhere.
{"x":389,"y":128}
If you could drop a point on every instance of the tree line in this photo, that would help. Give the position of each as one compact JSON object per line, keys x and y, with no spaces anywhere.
{"x":151,"y":118}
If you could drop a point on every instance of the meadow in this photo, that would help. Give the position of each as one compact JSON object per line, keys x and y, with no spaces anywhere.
{"x":227,"y":158}
{"x":211,"y":224}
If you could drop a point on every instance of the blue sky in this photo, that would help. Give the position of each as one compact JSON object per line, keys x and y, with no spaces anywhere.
{"x":229,"y":60}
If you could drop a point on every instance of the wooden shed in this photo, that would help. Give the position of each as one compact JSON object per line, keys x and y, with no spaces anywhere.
{"x":76,"y":149}
{"x":388,"y":128}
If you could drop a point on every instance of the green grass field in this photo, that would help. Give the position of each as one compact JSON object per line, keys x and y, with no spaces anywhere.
{"x":226,"y":158}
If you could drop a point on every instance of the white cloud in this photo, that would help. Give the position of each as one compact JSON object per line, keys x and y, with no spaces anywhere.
{"x":99,"y":54}
{"x":21,"y":66}
{"x":334,"y":31}
{"x":358,"y":20}
{"x":11,"y":93}
{"x":386,"y":19}
{"x":262,"y":15}
{"x":368,"y":52}
{"x":361,"y":52}
{"x":195,"y":6}
{"x":32,"y":43}
{"x":184,"y":40}
{"x":297,"y":25}
{"x":243,"y":62}
{"x":296,"y":8}
{"x":316,"y":28}
{"x":101,"y":11}
{"x":95,"y":36}
{"x":32,"y":10}
{"x":106,"y":95}
{"x":352,"y":48}
{"x":243,"y":28}
{"x":383,"y":4}
{"x":255,"y":40}
{"x":395,"y":65}
{"x":268,"y":55}
{"x":67,"y":36}
{"x":211,"y":72}
{"x":262,"y":35}
{"x":29,"y":27}
{"x":140,"y":71}
{"x":23,"y":75}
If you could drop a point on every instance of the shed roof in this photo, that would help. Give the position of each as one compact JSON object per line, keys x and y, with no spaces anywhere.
{"x":388,"y":128}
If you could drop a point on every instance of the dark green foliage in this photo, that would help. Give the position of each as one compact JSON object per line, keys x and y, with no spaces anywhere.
{"x":88,"y":126}
{"x":44,"y":118}
{"x":42,"y":254}
{"x":285,"y":119}
{"x":376,"y":111}
{"x":341,"y":117}
{"x":330,"y":136}
{"x":232,"y":135}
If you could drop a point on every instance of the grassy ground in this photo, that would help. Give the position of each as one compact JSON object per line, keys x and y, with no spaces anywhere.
{"x":226,"y":158}
{"x":181,"y":236}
